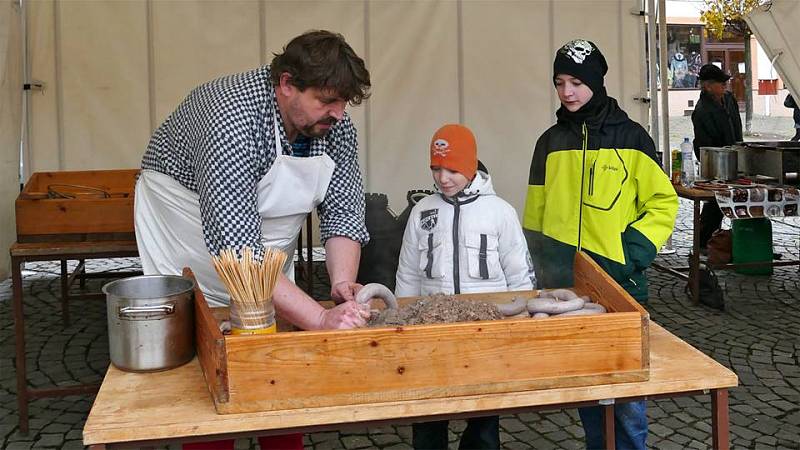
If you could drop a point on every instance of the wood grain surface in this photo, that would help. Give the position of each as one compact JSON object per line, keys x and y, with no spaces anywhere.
{"x":176,"y":403}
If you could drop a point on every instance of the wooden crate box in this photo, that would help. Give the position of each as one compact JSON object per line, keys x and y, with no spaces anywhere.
{"x":300,"y":369}
{"x":104,"y":212}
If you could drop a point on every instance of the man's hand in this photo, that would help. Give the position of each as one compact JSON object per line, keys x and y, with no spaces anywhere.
{"x":345,"y":291}
{"x":346,"y":315}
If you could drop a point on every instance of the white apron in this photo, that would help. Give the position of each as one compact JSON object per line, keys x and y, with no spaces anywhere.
{"x":169,"y":232}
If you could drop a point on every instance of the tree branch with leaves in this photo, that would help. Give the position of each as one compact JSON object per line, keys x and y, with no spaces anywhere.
{"x":725,"y":18}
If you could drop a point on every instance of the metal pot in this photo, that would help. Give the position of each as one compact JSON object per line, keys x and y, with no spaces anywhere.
{"x":150,"y":322}
{"x":719,"y":163}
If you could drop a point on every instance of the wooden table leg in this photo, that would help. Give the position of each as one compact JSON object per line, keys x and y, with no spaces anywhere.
{"x":694,"y":259}
{"x":719,"y":419}
{"x":64,"y":293}
{"x":609,"y":435}
{"x":19,"y":344}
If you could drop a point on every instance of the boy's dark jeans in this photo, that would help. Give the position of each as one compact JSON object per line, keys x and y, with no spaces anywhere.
{"x":482,"y":433}
{"x":630,"y":426}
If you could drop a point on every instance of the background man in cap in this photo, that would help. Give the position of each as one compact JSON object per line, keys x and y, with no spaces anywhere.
{"x":716,"y":123}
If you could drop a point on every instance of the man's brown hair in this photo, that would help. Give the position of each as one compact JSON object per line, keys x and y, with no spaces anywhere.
{"x":323,"y":60}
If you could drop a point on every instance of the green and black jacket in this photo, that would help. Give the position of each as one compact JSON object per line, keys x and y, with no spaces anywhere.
{"x":596,"y":185}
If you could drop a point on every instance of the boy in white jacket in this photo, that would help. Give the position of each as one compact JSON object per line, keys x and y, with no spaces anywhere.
{"x":463,"y":239}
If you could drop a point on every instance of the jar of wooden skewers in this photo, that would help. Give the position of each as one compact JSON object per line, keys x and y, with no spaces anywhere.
{"x":250,"y":283}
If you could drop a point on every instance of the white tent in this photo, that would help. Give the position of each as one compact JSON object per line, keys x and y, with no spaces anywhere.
{"x":112,"y":71}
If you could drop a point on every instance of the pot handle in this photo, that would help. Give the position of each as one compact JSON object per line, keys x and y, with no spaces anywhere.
{"x":146,"y":312}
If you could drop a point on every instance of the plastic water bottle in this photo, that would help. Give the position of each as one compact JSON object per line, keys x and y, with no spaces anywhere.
{"x":687,"y":163}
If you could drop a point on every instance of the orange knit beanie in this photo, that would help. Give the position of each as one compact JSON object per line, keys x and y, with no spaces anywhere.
{"x":453,"y":147}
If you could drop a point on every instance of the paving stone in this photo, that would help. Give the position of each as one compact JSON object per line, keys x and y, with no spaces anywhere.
{"x":680,"y":439}
{"x":512,"y":425}
{"x":527,"y":436}
{"x":694,"y":433}
{"x":659,"y":430}
{"x":669,"y":445}
{"x":557,"y":436}
{"x":521,"y":446}
{"x":383,"y":440}
{"x":334,"y":444}
{"x":783,"y":405}
{"x":56,"y":428}
{"x":767,"y":440}
{"x":744,"y":433}
{"x":73,"y":445}
{"x":561,"y":419}
{"x":399,"y":447}
{"x":49,"y":440}
{"x":74,"y":434}
{"x":352,"y":442}
{"x":325,"y":436}
{"x":404,"y":432}
{"x":19,"y":446}
{"x":698,"y":445}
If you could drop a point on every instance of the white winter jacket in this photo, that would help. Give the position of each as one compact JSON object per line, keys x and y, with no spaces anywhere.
{"x":472,"y":243}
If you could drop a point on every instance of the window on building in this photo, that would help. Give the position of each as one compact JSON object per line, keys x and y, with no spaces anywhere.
{"x":684,"y":55}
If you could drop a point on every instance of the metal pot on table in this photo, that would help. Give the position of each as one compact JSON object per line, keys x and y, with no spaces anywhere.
{"x":150,"y":322}
{"x":719,"y":163}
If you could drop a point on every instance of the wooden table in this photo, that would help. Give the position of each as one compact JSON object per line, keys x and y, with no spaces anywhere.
{"x":56,"y":251}
{"x":140,"y":410}
{"x":697,"y":196}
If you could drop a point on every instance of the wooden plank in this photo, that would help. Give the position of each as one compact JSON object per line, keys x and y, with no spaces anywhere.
{"x":376,"y":365}
{"x":72,"y":248}
{"x":95,"y":215}
{"x":210,"y":345}
{"x":117,"y":180}
{"x":175,"y":403}
{"x":592,"y":280}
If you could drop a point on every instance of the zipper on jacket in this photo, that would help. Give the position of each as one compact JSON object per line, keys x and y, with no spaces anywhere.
{"x":585,"y":138}
{"x":456,"y":269}
{"x":591,"y":178}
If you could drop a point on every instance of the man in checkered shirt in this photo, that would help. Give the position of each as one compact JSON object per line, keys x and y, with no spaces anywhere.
{"x":241,"y":162}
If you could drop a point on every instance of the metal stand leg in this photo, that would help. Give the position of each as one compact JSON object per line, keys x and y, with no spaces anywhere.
{"x":64,"y":293}
{"x":609,"y":435}
{"x":719,"y":419}
{"x":309,"y":257}
{"x":19,"y":347}
{"x":694,"y":260}
{"x":82,"y":276}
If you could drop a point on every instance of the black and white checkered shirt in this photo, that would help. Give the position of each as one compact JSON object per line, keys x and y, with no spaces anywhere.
{"x":219,"y":142}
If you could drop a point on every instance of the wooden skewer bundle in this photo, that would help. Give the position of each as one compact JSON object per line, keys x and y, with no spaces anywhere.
{"x":250,"y":282}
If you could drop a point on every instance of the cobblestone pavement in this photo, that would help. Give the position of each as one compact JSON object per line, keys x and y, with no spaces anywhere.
{"x":757,"y":337}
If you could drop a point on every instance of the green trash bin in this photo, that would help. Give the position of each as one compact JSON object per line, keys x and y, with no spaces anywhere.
{"x":752,"y":242}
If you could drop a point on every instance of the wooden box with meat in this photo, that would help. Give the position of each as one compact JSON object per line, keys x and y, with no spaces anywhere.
{"x":299,"y":369}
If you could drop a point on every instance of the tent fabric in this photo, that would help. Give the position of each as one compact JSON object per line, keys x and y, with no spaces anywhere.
{"x":114,"y":70}
{"x":10,"y":124}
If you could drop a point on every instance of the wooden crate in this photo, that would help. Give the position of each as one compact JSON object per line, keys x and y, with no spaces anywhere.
{"x":90,"y":215}
{"x":350,"y":367}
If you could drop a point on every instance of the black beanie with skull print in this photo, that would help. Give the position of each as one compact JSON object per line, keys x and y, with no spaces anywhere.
{"x":583,"y":60}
